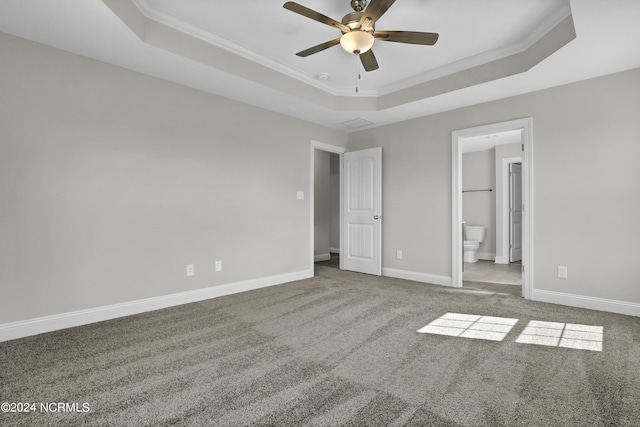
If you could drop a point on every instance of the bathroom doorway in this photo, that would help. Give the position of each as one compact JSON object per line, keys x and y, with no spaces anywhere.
{"x":491,"y":188}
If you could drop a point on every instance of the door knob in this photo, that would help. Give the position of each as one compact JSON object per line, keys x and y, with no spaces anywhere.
{"x":376,"y":217}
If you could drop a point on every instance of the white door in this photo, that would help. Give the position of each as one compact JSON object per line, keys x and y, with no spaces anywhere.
{"x":361,"y":248}
{"x":515,"y":212}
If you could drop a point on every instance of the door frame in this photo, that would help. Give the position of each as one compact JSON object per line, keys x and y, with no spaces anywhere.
{"x":526,"y":126}
{"x":331,"y":149}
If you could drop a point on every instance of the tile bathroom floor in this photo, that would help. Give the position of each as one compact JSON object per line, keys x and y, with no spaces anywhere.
{"x":489,"y":276}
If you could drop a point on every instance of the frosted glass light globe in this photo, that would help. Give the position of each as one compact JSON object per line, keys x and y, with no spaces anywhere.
{"x":357,"y":41}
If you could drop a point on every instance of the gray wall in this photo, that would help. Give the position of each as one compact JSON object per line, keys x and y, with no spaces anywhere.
{"x":479,"y":207}
{"x":586,"y":181}
{"x":112,"y":181}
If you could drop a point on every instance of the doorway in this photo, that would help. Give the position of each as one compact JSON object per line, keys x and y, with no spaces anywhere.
{"x":326,"y":202}
{"x":502,"y":230}
{"x":326,"y":197}
{"x":360,"y":208}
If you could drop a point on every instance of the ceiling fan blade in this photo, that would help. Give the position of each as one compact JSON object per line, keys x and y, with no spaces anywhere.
{"x":373,"y":12}
{"x":412,"y":37}
{"x":318,"y":48}
{"x":369,"y":61}
{"x":316,"y":16}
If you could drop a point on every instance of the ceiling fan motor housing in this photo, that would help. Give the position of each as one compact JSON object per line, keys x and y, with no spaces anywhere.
{"x":358,"y":5}
{"x":352,"y":20}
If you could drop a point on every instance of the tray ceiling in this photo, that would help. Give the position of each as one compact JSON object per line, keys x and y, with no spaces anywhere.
{"x":246,"y":50}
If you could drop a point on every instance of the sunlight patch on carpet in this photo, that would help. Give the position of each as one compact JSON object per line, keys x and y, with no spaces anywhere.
{"x":470,"y":326}
{"x":567,"y":335}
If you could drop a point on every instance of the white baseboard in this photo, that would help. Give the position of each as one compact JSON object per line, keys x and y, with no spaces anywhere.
{"x":581,"y":301}
{"x":334,"y":250}
{"x":499,"y":259}
{"x":572,"y":300}
{"x":14,"y":330}
{"x":417,"y":277}
{"x":25,"y":328}
{"x":490,"y":256}
{"x":321,"y":257}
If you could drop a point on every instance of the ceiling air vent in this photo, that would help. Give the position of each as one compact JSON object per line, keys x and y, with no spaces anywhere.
{"x":358,"y":123}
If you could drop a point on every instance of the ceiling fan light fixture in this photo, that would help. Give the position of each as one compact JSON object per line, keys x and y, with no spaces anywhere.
{"x":357,"y":41}
{"x":359,"y":32}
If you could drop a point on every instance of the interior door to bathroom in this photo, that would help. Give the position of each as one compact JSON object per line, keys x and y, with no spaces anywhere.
{"x":361,"y":247}
{"x":515,"y":212}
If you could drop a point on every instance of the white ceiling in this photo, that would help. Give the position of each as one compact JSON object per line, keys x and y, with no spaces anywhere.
{"x":250,"y":46}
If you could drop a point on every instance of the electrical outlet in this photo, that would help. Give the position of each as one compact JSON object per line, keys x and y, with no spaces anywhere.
{"x":190,"y":270}
{"x":398,"y":254}
{"x":218,"y":265}
{"x":562,"y":271}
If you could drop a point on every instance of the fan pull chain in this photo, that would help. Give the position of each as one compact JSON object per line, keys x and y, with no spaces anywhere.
{"x":358,"y":77}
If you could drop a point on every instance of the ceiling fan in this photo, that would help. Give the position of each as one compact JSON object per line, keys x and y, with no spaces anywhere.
{"x":358,"y":30}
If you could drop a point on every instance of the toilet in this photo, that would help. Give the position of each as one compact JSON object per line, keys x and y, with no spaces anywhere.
{"x":473,"y":236}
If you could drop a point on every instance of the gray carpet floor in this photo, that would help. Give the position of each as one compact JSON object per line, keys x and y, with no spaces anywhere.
{"x":340,"y":349}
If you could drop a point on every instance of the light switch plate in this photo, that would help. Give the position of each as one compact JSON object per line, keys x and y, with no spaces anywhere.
{"x":300,"y":195}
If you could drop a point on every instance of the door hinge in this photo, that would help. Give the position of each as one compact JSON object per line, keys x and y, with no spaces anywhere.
{"x":522,"y":147}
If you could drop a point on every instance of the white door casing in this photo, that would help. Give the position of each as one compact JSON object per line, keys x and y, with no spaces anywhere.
{"x":361,"y":246}
{"x":515,"y":212}
{"x":526,"y":125}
